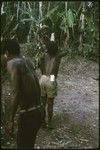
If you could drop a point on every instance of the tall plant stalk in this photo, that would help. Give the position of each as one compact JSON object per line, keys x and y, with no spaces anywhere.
{"x":31,"y":26}
{"x":49,"y":4}
{"x":66,"y":45}
{"x":82,"y":21}
{"x":40,"y":12}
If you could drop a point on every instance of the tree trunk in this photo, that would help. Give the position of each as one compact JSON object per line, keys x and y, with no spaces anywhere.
{"x":2,"y":8}
{"x":66,"y":45}
{"x":40,"y":13}
{"x":31,"y":26}
{"x":18,"y":7}
{"x":49,"y":3}
{"x":82,"y":21}
{"x":66,"y":6}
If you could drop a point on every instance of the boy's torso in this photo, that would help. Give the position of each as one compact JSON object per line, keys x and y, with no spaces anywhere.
{"x":50,"y":64}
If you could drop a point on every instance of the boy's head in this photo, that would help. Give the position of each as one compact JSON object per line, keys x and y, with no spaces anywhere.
{"x":52,"y":48}
{"x":9,"y":48}
{"x":45,"y":34}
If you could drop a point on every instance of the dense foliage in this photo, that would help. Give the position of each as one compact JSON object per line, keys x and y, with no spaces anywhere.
{"x":75,"y":24}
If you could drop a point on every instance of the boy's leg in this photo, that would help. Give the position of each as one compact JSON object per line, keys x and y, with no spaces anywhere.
{"x":43,"y":97}
{"x":51,"y":94}
{"x":44,"y":101}
{"x":50,"y":110}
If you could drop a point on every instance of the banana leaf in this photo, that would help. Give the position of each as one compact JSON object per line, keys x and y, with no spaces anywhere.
{"x":70,"y":18}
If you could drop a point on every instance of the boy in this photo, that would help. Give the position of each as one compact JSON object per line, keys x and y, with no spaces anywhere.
{"x":49,"y":66}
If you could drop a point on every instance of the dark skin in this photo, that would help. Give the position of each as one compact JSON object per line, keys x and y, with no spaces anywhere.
{"x":26,"y":98}
{"x":10,"y":125}
{"x":45,"y":35}
{"x":49,"y":64}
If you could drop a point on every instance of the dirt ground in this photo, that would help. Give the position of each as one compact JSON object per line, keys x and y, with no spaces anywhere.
{"x":76,"y":108}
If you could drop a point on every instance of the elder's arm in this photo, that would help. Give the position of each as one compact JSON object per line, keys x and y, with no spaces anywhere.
{"x":15,"y":89}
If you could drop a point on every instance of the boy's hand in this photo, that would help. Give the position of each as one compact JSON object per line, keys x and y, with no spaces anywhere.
{"x":10,"y":128}
{"x":69,"y":50}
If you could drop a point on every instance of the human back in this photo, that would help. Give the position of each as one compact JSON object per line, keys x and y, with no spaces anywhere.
{"x":50,"y":60}
{"x":28,"y":90}
{"x":51,"y":64}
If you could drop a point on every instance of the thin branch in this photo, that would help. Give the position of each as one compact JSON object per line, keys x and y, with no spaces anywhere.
{"x":18,"y":7}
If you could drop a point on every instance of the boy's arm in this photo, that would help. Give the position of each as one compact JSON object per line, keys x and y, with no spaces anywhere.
{"x":41,"y":62}
{"x":64,"y":53}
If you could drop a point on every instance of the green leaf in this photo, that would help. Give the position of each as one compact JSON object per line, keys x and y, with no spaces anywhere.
{"x":51,"y":12}
{"x":70,"y":18}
